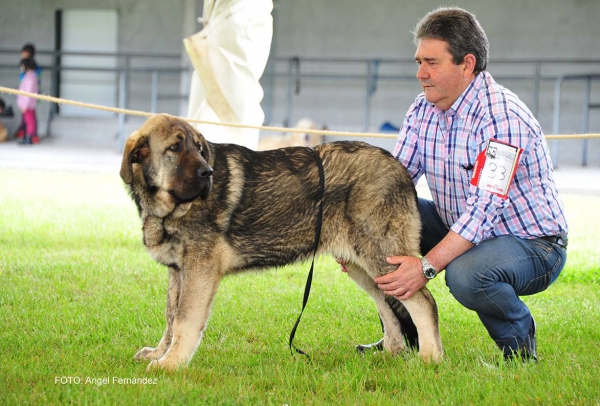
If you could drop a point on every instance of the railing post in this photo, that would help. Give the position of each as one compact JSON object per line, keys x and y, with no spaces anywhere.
{"x":154,"y":97}
{"x":54,"y":90}
{"x":293,"y":77}
{"x":586,"y":119}
{"x":556,"y":124}
{"x":122,"y":103}
{"x":372,"y":76}
{"x":536,"y":88}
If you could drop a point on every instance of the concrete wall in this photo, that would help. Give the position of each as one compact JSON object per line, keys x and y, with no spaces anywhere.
{"x":144,"y":25}
{"x":531,"y":29}
{"x":379,"y":29}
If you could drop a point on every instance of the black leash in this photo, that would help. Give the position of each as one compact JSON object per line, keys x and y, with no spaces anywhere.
{"x":317,"y":238}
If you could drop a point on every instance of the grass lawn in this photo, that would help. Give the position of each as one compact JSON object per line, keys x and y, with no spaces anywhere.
{"x":79,"y":296}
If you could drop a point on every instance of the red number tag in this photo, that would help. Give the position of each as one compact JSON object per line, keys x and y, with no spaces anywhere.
{"x":495,"y":167}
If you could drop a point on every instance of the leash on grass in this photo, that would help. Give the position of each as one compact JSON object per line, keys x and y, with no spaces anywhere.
{"x":316,"y":246}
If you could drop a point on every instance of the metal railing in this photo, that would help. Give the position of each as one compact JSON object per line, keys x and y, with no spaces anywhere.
{"x":372,"y":78}
{"x":531,"y":70}
{"x":126,"y":64}
{"x":155,"y":65}
{"x":588,"y":105}
{"x":295,"y":71}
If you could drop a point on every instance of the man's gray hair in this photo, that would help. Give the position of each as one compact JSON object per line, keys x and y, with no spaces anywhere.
{"x":460,"y":29}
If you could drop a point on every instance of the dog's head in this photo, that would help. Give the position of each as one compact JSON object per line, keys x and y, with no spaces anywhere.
{"x":307,"y":138}
{"x":167,"y":162}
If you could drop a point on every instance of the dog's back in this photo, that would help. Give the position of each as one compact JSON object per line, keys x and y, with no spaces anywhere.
{"x":369,"y":203}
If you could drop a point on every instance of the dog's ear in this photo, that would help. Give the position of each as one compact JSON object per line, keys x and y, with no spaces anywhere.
{"x":206,"y":146}
{"x":131,"y":155}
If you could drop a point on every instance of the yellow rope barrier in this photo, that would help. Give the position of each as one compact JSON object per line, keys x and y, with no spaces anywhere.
{"x":138,"y":113}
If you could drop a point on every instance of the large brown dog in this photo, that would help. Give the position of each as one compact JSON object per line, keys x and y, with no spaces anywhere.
{"x":209,"y":210}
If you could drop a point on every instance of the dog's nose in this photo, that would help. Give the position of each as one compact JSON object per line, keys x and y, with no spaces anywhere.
{"x":206,"y":173}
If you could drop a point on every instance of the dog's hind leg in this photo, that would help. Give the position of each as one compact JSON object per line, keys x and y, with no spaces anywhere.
{"x":196,"y":298}
{"x":393,"y":340}
{"x":409,"y":330}
{"x":423,"y":311}
{"x":174,"y":291}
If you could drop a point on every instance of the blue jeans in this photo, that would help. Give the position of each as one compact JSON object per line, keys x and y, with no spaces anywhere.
{"x":490,"y":277}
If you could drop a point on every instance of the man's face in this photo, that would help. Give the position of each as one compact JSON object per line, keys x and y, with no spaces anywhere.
{"x":442,"y":80}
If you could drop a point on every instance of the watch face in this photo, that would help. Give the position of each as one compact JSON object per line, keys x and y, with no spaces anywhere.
{"x":429,"y":273}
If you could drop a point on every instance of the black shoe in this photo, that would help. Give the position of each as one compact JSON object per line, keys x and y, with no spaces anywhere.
{"x":528,"y":350}
{"x":409,"y":330}
{"x":26,"y":140}
{"x":362,"y":348}
{"x":529,"y":347}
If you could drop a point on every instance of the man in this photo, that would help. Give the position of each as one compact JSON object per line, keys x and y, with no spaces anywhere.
{"x":494,"y":248}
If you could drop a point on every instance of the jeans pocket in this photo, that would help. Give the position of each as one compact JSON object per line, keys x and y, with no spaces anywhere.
{"x":553,"y":263}
{"x":555,"y":271}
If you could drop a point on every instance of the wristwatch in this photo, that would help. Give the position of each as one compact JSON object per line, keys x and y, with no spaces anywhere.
{"x":428,"y":270}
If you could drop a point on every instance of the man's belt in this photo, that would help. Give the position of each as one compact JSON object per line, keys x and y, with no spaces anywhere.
{"x":561,"y":240}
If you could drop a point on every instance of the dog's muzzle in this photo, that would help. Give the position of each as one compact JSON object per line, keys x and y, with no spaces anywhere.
{"x":195,"y":180}
{"x":205,"y":180}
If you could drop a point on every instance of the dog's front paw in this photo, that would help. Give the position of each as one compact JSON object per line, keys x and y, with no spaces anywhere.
{"x":165,"y":365}
{"x":432,"y":354}
{"x":147,"y":353}
{"x":153,"y":366}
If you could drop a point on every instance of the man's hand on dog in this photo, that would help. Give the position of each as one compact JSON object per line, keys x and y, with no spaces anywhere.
{"x":404,"y":281}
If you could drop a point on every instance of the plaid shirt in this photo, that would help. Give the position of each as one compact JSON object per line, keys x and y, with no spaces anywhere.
{"x":443,"y":146}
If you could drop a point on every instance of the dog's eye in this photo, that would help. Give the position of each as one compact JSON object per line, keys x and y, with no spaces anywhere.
{"x":199,"y":145}
{"x":175,"y":147}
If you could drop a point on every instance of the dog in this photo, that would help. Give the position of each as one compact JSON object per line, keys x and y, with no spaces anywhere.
{"x":208,"y":210}
{"x":305,"y":139}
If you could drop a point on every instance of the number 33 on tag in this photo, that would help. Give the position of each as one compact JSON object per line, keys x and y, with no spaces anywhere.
{"x":495,"y":167}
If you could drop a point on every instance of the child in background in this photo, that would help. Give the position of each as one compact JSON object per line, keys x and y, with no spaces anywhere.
{"x":28,"y":52}
{"x":3,"y":133}
{"x":26,"y":104}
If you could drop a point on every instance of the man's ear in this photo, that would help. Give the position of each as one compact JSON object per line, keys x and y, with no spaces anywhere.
{"x":130,"y":155}
{"x":469,"y":62}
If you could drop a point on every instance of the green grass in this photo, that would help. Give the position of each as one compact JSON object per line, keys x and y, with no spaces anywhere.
{"x":79,"y":296}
